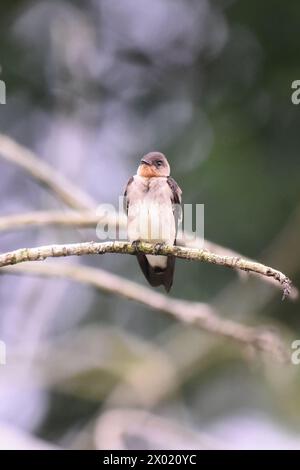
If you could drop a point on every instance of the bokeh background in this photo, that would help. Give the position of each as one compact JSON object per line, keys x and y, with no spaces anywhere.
{"x":91,"y":86}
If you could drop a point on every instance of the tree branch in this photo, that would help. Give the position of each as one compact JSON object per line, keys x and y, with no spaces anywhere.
{"x":196,"y":314}
{"x":86,"y":219}
{"x":73,"y":197}
{"x":200,"y":315}
{"x":89,"y":219}
{"x":47,"y":176}
{"x":92,"y":248}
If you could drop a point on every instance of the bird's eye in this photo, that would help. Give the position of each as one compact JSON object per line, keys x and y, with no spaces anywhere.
{"x":159,"y":163}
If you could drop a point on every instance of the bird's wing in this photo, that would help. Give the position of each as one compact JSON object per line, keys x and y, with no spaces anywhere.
{"x":176,"y":191}
{"x":125,"y":196}
{"x":176,"y":200}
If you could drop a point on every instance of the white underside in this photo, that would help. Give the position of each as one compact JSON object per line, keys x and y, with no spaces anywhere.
{"x":150,"y":215}
{"x":153,"y":223}
{"x":157,"y":261}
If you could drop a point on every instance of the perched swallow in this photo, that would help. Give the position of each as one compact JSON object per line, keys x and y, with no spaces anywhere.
{"x":153,"y":205}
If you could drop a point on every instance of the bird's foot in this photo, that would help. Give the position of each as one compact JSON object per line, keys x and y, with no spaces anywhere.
{"x":160,"y":246}
{"x":136,"y":244}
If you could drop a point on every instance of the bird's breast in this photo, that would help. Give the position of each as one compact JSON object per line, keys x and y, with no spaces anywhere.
{"x":150,"y":212}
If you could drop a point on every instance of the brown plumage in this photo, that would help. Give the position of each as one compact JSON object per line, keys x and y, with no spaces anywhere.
{"x":152,"y":203}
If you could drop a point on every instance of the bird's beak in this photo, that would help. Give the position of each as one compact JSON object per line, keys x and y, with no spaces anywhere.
{"x":145,"y":162}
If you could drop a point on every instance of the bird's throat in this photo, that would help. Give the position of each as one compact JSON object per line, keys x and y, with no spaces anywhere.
{"x":147,"y":171}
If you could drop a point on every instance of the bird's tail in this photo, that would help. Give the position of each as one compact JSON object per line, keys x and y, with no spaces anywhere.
{"x":158,"y":276}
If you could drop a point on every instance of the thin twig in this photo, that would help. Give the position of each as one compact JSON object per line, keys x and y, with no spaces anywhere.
{"x":44,"y":174}
{"x":90,"y":219}
{"x":196,"y":314}
{"x":93,"y":248}
{"x":75,"y":198}
{"x":113,"y":426}
{"x":54,"y":218}
{"x":222,"y":251}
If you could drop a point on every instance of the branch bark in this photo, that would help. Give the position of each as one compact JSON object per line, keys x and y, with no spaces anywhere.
{"x":89,"y":219}
{"x":86,"y":219}
{"x":196,"y":314}
{"x":201,"y":315}
{"x":93,"y":248}
{"x":44,"y":174}
{"x":73,"y":197}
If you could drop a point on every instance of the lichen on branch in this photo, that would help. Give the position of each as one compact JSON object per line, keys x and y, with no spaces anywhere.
{"x":121,"y":247}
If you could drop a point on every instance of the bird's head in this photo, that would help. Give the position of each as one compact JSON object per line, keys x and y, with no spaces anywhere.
{"x":154,"y":164}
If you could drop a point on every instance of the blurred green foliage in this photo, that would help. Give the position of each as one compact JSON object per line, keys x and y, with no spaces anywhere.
{"x":212,"y":89}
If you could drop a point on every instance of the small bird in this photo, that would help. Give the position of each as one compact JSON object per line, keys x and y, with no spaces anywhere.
{"x":152,"y":200}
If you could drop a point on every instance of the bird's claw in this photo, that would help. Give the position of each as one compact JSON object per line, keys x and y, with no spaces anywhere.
{"x":159,"y":246}
{"x":136,"y":244}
